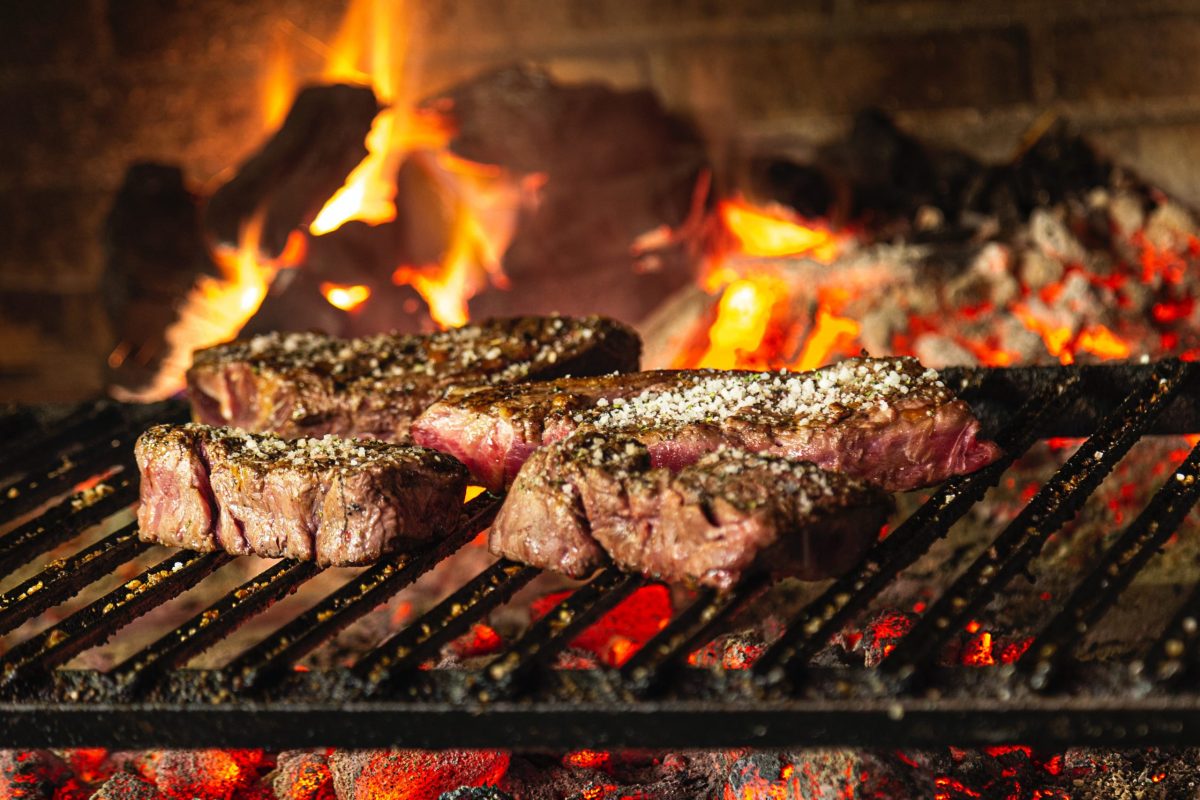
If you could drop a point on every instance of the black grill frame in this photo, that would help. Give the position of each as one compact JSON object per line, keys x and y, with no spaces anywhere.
{"x":1048,"y":698}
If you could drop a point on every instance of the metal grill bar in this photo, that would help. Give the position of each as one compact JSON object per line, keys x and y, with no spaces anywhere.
{"x":63,"y":579}
{"x":386,"y":699}
{"x":67,"y":519}
{"x":1050,"y":652}
{"x":1057,"y":501}
{"x":658,"y":660}
{"x":821,"y":619}
{"x":401,"y":655}
{"x":98,"y":621}
{"x":274,"y":655}
{"x":556,"y":630}
{"x":1175,"y":657}
{"x":84,"y":425}
{"x":56,"y":476}
{"x":214,"y":623}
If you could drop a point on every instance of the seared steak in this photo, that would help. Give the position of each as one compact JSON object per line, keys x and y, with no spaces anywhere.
{"x":885,"y":420}
{"x":339,"y":501}
{"x":307,"y":384}
{"x":728,"y":514}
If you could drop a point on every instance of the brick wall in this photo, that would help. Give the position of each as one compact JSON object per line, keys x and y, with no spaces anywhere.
{"x":91,"y":85}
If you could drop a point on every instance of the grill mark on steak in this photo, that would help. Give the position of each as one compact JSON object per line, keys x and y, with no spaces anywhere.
{"x":341,"y":502}
{"x":308,"y":384}
{"x":889,"y":421}
{"x":729,"y":514}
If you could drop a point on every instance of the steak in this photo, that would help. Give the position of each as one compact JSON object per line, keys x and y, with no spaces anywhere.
{"x":728,"y":514}
{"x":308,"y":384}
{"x":885,"y":420}
{"x":339,"y":501}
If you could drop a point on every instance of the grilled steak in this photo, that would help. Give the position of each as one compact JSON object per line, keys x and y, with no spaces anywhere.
{"x":339,"y":501}
{"x":728,"y":514}
{"x":306,"y":384}
{"x":887,"y":420}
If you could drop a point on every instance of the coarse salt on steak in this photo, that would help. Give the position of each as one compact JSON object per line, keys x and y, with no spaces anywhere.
{"x":886,"y":420}
{"x":728,"y":514}
{"x":338,"y":501}
{"x":309,"y":384}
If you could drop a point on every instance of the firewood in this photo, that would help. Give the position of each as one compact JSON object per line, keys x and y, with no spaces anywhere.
{"x":300,"y":167}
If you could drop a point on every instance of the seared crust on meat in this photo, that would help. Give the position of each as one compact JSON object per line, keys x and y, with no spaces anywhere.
{"x":886,"y":420}
{"x":338,"y":501}
{"x":308,"y":384}
{"x":729,"y":514}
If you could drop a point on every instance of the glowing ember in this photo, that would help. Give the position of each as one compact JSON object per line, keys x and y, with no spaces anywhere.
{"x":588,"y":759}
{"x":619,"y":633}
{"x":347,"y":298}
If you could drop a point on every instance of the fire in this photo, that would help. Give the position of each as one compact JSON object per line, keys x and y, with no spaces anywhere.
{"x":347,"y":298}
{"x":373,"y":47}
{"x":743,"y":314}
{"x":829,"y":333}
{"x":754,"y":325}
{"x":774,"y":232}
{"x":213,"y":311}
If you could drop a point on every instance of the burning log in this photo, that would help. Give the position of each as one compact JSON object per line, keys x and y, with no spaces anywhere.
{"x":614,"y":165}
{"x":155,"y":252}
{"x":412,"y":774}
{"x":292,"y":176}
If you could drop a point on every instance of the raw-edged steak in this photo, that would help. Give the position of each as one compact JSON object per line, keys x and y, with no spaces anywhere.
{"x":339,"y":501}
{"x":885,"y":420}
{"x":726,"y":515}
{"x":308,"y":384}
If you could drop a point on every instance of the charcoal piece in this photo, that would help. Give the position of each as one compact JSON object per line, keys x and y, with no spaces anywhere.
{"x":155,"y":251}
{"x":616,"y":165}
{"x":413,"y":774}
{"x":475,"y":793}
{"x":127,"y":786}
{"x":303,"y":775}
{"x":37,"y":775}
{"x":292,"y":176}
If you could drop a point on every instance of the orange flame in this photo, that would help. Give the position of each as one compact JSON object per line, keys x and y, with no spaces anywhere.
{"x":754,"y":316}
{"x":347,"y":298}
{"x":774,"y":232}
{"x":743,"y":314}
{"x":829,"y":334}
{"x":213,"y":312}
{"x":472,"y":258}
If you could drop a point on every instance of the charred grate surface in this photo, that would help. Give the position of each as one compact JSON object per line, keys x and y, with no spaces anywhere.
{"x":63,"y":477}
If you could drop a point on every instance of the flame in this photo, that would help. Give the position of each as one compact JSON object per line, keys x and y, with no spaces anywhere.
{"x":213,"y":312}
{"x":743,"y":314}
{"x":347,"y":298}
{"x":829,"y":332}
{"x":755,"y":321}
{"x":279,"y":85}
{"x":479,"y":234}
{"x":774,"y":232}
{"x":1099,"y":340}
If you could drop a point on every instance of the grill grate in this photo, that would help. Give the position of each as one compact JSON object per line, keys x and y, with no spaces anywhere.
{"x":1049,"y":697}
